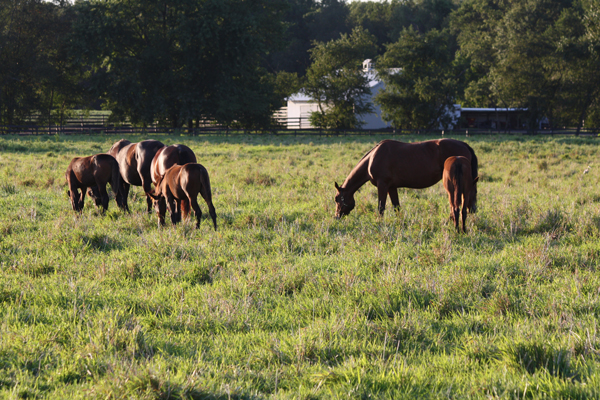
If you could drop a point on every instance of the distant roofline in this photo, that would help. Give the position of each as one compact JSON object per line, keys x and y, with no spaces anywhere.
{"x":499,"y":109}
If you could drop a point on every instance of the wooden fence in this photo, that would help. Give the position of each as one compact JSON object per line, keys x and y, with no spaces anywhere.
{"x":93,"y":128}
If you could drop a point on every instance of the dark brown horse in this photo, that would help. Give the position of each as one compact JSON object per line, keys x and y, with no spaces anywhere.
{"x":393,"y":164}
{"x":461,"y":187}
{"x":165,"y":158}
{"x":93,"y":171}
{"x":135,"y":160}
{"x":183,"y":182}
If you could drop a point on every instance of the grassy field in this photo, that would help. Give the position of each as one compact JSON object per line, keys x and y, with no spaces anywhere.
{"x":284,"y":301}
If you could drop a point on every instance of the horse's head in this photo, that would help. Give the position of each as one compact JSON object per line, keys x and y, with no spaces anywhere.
{"x":472,"y":206}
{"x":344,"y":200}
{"x":94,"y":194}
{"x":160,"y":204}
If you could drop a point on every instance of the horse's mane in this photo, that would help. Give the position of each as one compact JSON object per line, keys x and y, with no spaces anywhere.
{"x":360,"y":163}
{"x":374,"y":147}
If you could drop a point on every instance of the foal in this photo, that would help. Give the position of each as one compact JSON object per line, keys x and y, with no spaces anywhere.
{"x":461,"y":188}
{"x":183,"y":182}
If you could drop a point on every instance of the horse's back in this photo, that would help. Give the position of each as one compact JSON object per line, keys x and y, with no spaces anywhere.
{"x":457,"y":173}
{"x":185,"y":155}
{"x":118,"y":146}
{"x":146,"y":150}
{"x":457,"y":164}
{"x":193,"y":176}
{"x":413,"y":165}
{"x":104,"y":160}
{"x":168,"y":156}
{"x":194,"y":171}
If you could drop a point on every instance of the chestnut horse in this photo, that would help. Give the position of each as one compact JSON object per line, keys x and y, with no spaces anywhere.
{"x":392,"y":164}
{"x":165,"y":158}
{"x":93,"y":171}
{"x":460,"y":185}
{"x":183,"y":182}
{"x":134,"y":163}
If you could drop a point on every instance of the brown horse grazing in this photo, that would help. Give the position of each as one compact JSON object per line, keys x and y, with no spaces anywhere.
{"x":165,"y":158}
{"x":93,"y":171}
{"x":461,"y":187}
{"x":135,"y":160}
{"x":183,"y":182}
{"x":392,"y":164}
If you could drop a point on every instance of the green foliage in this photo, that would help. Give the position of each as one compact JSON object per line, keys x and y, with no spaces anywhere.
{"x":538,"y":55}
{"x":285,"y":301}
{"x":387,"y":20}
{"x":36,"y":73}
{"x":180,"y":61}
{"x":420,"y":81}
{"x":336,"y":81}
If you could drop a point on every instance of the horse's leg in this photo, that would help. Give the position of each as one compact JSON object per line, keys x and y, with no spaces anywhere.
{"x":456,"y":217}
{"x":393,"y":192}
{"x":175,"y":215}
{"x":464,"y":217}
{"x":193,"y":201}
{"x":73,"y":194}
{"x":382,"y":193}
{"x":124,"y":193}
{"x":103,"y":196}
{"x":146,"y":185}
{"x":81,"y":199}
{"x":206,"y":195}
{"x":149,"y":203}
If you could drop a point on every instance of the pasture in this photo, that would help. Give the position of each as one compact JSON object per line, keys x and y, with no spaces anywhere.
{"x":286,"y":302}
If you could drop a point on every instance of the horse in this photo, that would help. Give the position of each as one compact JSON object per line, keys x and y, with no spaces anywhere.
{"x":93,"y":171}
{"x":460,"y":185}
{"x":183,"y":182}
{"x":134,"y":163}
{"x":392,"y":164}
{"x":165,"y":158}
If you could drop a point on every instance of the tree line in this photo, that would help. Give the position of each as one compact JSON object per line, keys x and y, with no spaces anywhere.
{"x":182,"y":62}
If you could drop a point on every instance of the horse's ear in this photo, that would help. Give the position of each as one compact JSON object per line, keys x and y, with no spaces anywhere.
{"x":337,"y":186}
{"x":476,"y":179}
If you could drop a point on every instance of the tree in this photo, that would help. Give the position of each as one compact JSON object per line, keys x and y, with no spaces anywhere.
{"x":421,"y":80}
{"x":35,"y":71}
{"x":180,"y":61}
{"x":308,"y":21}
{"x":336,"y":82}
{"x":591,"y":38}
{"x":578,"y":48}
{"x":536,"y":55}
{"x":374,"y":17}
{"x":422,"y":15}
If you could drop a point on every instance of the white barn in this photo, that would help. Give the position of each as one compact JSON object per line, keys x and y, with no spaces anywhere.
{"x":300,"y":106}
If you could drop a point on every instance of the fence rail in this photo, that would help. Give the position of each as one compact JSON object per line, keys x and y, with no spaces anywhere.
{"x":94,"y":129}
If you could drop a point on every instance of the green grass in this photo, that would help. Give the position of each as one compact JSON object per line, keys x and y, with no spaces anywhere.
{"x":284,"y":301}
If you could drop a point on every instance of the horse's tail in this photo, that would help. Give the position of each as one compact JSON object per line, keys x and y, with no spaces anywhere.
{"x":206,"y":193}
{"x":459,"y":185}
{"x":474,"y":171}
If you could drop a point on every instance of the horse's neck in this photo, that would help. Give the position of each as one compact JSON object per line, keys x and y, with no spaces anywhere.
{"x":358,"y":176}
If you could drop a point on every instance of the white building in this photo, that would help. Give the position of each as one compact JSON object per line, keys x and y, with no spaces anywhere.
{"x":300,"y":106}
